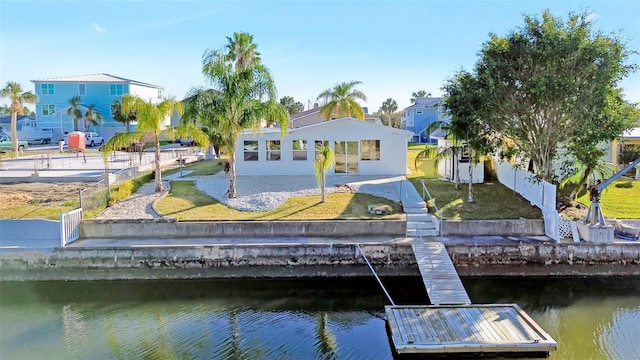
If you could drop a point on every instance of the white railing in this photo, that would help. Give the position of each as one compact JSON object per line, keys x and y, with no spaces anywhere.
{"x":426,"y":192}
{"x":539,"y":193}
{"x":70,"y":226}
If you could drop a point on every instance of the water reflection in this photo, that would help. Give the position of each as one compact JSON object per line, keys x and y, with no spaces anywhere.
{"x":319,"y":319}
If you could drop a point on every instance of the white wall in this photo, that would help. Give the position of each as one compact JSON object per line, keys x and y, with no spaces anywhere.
{"x":145,"y":92}
{"x":393,"y":148}
{"x":447,"y":168}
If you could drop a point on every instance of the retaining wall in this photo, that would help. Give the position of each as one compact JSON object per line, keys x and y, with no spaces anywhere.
{"x":520,"y":227}
{"x":316,"y":260}
{"x":170,"y":229}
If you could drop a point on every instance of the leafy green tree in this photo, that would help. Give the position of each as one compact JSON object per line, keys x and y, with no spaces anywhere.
{"x":341,"y":101}
{"x":419,"y":94}
{"x":92,"y":117}
{"x":74,"y":111}
{"x":325,"y":160}
{"x":245,"y":94}
{"x":121,"y":117}
{"x":454,"y":150}
{"x":551,"y":81}
{"x":463,"y":103}
{"x":13,"y":91}
{"x":291,"y":105}
{"x":388,"y":108}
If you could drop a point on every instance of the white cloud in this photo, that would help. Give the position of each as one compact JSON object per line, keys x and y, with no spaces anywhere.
{"x":97,"y":28}
{"x":592,"y":17}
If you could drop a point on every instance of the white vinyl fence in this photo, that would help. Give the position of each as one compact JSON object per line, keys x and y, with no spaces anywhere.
{"x":70,"y":226}
{"x":540,"y":193}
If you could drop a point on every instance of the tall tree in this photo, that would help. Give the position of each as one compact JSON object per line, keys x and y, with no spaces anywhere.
{"x":74,"y":111}
{"x":121,"y":117}
{"x":325,"y":160}
{"x":549,"y":81}
{"x":245,"y":94}
{"x":454,"y":150}
{"x":199,"y":110}
{"x":92,"y":117}
{"x":291,"y":105}
{"x":419,"y":94}
{"x":389,"y":107}
{"x":464,"y":104}
{"x":341,"y":101}
{"x":13,"y":91}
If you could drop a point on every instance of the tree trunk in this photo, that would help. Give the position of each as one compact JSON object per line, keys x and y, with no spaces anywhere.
{"x":457,"y":163}
{"x":232,"y":173}
{"x":14,"y":130}
{"x":322,"y":181}
{"x":470,"y":198}
{"x":575,"y":191}
{"x":158,"y":173}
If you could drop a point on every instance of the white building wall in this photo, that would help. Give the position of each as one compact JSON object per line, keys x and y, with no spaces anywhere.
{"x":393,"y":148}
{"x":146,"y":93}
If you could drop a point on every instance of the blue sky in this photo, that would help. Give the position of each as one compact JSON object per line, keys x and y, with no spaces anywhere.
{"x":393,"y":47}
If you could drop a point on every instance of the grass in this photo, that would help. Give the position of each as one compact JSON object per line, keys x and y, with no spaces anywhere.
{"x":199,"y":168}
{"x":492,"y":200}
{"x":185,"y":203}
{"x":37,"y":211}
{"x":620,"y":200}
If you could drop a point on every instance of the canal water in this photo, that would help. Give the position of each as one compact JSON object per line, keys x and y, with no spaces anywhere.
{"x":298,"y":319}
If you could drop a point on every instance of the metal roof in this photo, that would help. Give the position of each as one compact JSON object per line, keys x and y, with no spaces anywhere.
{"x":108,"y":78}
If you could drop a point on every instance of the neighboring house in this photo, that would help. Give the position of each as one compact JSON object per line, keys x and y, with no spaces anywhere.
{"x":5,"y":122}
{"x":312,"y":116}
{"x":629,"y":138}
{"x":418,"y":116}
{"x":360,"y":147}
{"x":100,"y":90}
{"x":447,"y":167}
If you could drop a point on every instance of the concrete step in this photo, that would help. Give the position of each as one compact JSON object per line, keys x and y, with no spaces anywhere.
{"x":414,"y":204}
{"x":422,"y":232}
{"x":416,"y":210}
{"x":420,"y":225}
{"x":419,"y":217}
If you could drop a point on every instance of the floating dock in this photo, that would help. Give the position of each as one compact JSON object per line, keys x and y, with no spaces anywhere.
{"x":452,"y":325}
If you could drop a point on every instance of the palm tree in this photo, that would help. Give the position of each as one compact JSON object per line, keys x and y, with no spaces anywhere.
{"x":325,"y":160}
{"x":74,"y":111}
{"x":454,"y":150}
{"x":388,"y":107}
{"x":150,"y":126}
{"x":291,"y":105}
{"x":245,"y":94}
{"x":119,"y":116}
{"x":199,"y":110}
{"x":92,"y":117}
{"x":341,"y":101}
{"x":419,"y":94}
{"x":13,"y":91}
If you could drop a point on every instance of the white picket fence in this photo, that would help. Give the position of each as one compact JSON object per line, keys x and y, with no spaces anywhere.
{"x":70,"y":226}
{"x":539,"y":193}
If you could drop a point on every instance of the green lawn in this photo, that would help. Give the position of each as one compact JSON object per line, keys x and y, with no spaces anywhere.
{"x":492,"y":200}
{"x":185,"y":203}
{"x":620,"y":200}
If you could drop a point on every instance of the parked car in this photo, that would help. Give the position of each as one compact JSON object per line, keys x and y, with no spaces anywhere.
{"x":6,"y":144}
{"x":185,"y":142}
{"x":93,"y":139}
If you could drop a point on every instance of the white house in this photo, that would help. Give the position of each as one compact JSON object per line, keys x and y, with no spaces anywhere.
{"x":360,"y":147}
{"x":447,"y":167}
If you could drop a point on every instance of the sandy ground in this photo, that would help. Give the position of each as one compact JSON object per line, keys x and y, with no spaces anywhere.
{"x":43,"y":193}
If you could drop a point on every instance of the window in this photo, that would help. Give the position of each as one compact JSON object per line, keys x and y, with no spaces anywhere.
{"x":369,"y":149}
{"x":82,"y":91}
{"x":159,"y":94}
{"x":273,"y":150}
{"x":48,"y":109}
{"x":47,"y":89}
{"x":299,"y":149}
{"x":250,"y":151}
{"x":115,"y":89}
{"x":418,"y":111}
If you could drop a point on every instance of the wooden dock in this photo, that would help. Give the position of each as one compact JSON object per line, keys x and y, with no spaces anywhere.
{"x":466,"y":329}
{"x":438,"y":273}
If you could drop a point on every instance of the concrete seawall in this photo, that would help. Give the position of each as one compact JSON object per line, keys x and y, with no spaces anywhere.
{"x":492,"y":227}
{"x":316,"y":260}
{"x":170,"y":229}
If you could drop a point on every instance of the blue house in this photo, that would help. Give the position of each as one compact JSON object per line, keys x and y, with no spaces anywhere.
{"x":418,"y":116}
{"x":100,"y":90}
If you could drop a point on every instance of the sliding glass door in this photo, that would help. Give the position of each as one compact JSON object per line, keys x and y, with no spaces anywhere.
{"x":346,"y":153}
